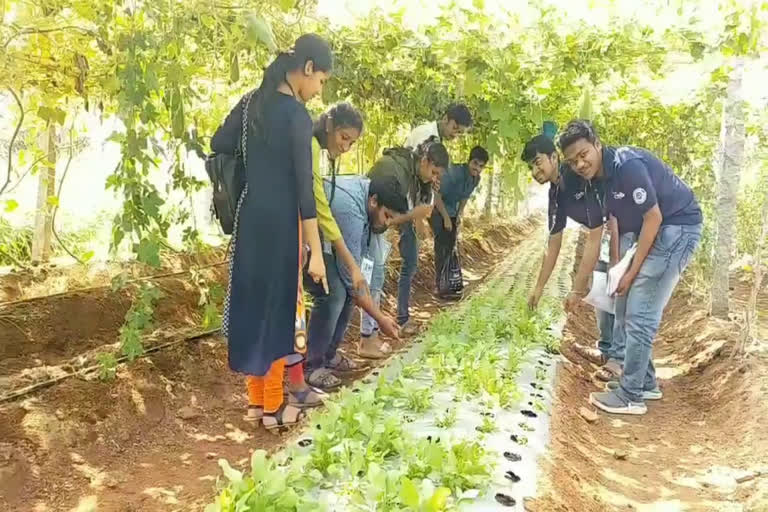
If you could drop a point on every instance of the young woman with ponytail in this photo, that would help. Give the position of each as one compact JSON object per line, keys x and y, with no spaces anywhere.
{"x":264,"y":313}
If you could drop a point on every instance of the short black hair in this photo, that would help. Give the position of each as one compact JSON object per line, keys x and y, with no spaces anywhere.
{"x":460,"y":113}
{"x":539,"y":144}
{"x":387,"y":191}
{"x":480,"y":154}
{"x":435,"y":152}
{"x":577,"y":129}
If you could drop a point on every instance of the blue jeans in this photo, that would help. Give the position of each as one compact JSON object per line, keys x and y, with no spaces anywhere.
{"x":645,"y":302}
{"x":409,"y":252}
{"x":605,"y":327}
{"x":329,"y":318}
{"x":618,"y":341}
{"x":367,"y":324}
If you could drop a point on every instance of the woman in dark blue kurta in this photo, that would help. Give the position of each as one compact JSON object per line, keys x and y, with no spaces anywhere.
{"x":260,"y":317}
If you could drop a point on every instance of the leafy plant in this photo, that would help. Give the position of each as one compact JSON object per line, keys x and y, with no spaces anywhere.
{"x":211,"y":299}
{"x":488,"y":426}
{"x":138,"y":319}
{"x":419,"y":399}
{"x":448,"y":419}
{"x":107,"y":366}
{"x":362,"y":437}
{"x":424,"y":499}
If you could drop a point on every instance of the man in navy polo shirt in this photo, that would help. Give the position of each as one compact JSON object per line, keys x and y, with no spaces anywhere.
{"x":570,"y":197}
{"x":658,"y":210}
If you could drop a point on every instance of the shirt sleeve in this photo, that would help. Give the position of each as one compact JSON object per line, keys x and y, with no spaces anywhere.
{"x":301,"y":149}
{"x":325,"y":219}
{"x":411,"y":142}
{"x":446,"y":182}
{"x":353,"y":230}
{"x":635,"y":184}
{"x":227,"y":137}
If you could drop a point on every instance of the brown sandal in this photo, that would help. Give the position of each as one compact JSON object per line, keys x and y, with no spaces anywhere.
{"x":371,"y":348}
{"x":592,"y":355}
{"x":608,"y":372}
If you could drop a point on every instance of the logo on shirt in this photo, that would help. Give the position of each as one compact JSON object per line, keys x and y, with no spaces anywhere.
{"x":618,"y":195}
{"x":578,"y":195}
{"x":639,"y":195}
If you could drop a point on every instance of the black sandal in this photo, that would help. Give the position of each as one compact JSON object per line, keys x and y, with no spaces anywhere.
{"x":276,"y":420}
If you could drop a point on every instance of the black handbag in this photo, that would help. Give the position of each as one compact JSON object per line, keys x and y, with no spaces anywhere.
{"x":451,"y":278}
{"x":227,"y":175}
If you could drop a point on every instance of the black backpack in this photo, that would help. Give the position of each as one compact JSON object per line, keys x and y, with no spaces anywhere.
{"x":227,"y":175}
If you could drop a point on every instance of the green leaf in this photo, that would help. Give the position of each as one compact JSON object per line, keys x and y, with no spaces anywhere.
{"x":151,"y":205}
{"x":88,"y":256}
{"x":439,"y":500}
{"x":697,"y":50}
{"x":409,"y":494}
{"x":472,"y":85}
{"x":509,"y":128}
{"x":52,"y":201}
{"x":287,"y":5}
{"x":498,"y":110}
{"x":258,"y":29}
{"x":479,"y":4}
{"x":585,"y":111}
{"x":231,"y":474}
{"x":148,"y":252}
{"x":234,"y":69}
{"x":177,"y":107}
{"x":10,"y":205}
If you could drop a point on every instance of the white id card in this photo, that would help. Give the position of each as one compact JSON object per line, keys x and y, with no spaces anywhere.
{"x":366,"y":267}
{"x":327,"y":249}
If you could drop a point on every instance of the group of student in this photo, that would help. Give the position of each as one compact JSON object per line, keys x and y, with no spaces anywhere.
{"x":293,"y":198}
{"x":632,"y":199}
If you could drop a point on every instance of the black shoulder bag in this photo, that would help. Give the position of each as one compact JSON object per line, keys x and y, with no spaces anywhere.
{"x":227,"y":175}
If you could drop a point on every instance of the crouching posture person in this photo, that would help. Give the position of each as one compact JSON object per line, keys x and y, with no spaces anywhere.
{"x":362,"y":207}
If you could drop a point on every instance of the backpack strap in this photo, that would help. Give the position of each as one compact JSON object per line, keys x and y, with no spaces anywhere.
{"x":244,"y":130}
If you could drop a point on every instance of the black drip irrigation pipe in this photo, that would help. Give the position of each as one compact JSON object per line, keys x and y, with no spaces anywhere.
{"x":19,"y":393}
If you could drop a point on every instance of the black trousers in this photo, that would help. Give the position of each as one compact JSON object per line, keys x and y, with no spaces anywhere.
{"x":445,"y":241}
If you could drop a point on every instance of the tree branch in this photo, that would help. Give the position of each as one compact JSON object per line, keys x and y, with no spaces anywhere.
{"x":58,"y":199}
{"x":13,"y":140}
{"x":36,"y":31}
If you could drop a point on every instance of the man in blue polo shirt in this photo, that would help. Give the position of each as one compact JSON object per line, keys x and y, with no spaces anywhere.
{"x":658,"y":210}
{"x":570,"y":197}
{"x":456,"y":187}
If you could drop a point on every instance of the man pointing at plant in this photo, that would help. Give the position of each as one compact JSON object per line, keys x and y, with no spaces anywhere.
{"x":362,"y":208}
{"x":570,"y":196}
{"x":658,"y":210}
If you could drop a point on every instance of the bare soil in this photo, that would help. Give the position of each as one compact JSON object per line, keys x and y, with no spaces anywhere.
{"x":150,"y":439}
{"x":710,"y":429}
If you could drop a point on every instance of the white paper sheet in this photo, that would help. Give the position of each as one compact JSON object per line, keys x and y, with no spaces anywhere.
{"x":617,"y":272}
{"x":598,"y":296}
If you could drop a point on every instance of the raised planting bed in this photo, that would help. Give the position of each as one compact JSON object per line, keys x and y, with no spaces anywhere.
{"x":456,"y":423}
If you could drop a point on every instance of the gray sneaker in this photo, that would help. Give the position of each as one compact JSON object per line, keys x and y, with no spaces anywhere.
{"x":614,"y":404}
{"x":653,"y":394}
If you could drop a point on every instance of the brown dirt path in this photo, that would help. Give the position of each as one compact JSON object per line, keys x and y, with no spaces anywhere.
{"x":685,"y":454}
